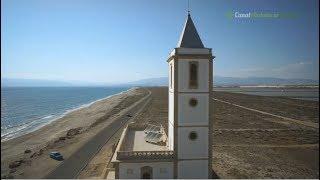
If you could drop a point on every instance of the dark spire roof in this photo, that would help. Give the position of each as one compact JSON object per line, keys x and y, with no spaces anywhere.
{"x":189,"y":37}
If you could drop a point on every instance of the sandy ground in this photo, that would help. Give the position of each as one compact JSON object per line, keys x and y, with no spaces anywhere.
{"x":64,"y":135}
{"x":246,"y":144}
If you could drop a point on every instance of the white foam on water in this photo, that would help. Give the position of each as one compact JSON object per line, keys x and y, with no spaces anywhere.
{"x":8,"y":132}
{"x":48,"y":117}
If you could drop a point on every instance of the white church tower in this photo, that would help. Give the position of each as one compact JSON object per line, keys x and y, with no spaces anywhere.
{"x":189,"y":122}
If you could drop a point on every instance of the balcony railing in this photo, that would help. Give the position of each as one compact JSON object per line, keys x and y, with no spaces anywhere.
{"x":145,"y":155}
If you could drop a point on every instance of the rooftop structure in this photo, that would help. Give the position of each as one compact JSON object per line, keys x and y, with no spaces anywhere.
{"x":137,"y":158}
{"x":189,"y":37}
{"x":133,"y":146}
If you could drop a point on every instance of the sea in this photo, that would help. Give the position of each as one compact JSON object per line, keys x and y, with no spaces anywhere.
{"x":309,"y":94}
{"x":26,"y":109}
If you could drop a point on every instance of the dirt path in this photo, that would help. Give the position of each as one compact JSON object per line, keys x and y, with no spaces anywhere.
{"x":256,"y":129}
{"x":309,"y":124}
{"x":268,"y":145}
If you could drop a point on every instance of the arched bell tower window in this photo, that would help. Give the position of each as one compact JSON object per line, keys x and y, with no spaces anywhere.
{"x":146,"y":172}
{"x":193,"y":75}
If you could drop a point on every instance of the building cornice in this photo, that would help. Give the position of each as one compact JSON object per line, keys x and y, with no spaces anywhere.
{"x":182,"y":53}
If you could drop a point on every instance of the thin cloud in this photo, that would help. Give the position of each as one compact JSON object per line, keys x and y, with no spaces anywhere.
{"x":299,"y":70}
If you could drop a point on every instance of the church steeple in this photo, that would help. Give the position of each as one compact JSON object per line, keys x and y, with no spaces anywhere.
{"x":189,"y":37}
{"x":190,"y":125}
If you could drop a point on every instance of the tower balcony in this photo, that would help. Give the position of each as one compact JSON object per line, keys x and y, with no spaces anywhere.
{"x":133,"y":146}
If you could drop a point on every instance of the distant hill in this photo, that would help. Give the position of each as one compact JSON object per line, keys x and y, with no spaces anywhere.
{"x":220,"y":80}
{"x":8,"y":82}
{"x":232,"y":81}
{"x":161,"y":81}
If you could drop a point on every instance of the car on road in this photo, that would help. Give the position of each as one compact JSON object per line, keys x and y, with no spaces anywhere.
{"x":56,"y":155}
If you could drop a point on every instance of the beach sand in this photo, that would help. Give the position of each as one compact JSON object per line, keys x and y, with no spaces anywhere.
{"x":64,"y":135}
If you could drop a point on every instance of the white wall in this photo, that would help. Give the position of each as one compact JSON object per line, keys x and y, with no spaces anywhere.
{"x":171,"y":65}
{"x":192,"y":154}
{"x":197,"y":115}
{"x":171,"y":107}
{"x":171,"y":136}
{"x":189,"y":149}
{"x":183,"y":75}
{"x":171,"y":121}
{"x":136,"y":170}
{"x":193,"y":169}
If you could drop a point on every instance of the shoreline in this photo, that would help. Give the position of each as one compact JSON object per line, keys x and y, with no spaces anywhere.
{"x":66,"y":135}
{"x":56,"y":117}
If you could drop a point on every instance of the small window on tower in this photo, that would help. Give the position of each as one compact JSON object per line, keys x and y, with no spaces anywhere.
{"x":193,"y":136}
{"x":171,"y":76}
{"x":193,"y":75}
{"x":193,"y":102}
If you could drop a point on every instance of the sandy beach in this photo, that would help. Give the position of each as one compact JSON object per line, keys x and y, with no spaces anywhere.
{"x":30,"y":151}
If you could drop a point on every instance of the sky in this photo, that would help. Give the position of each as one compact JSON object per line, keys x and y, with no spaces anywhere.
{"x":116,"y":41}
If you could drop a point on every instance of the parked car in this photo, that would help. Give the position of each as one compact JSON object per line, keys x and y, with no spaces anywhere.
{"x":56,"y":155}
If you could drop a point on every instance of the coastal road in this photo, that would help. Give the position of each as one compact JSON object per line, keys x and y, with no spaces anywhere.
{"x":72,"y":166}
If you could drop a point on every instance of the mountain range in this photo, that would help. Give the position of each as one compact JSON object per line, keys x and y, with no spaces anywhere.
{"x":233,"y":81}
{"x":161,"y":81}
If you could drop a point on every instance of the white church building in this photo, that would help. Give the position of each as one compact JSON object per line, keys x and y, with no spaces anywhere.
{"x":185,"y":151}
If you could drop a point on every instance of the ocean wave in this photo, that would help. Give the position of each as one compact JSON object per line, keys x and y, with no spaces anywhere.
{"x":48,"y":117}
{"x":10,"y":132}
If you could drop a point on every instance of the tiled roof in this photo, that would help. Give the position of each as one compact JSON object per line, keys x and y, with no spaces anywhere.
{"x":189,"y":37}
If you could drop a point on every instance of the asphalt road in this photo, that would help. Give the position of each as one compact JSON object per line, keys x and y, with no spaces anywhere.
{"x":72,"y":166}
